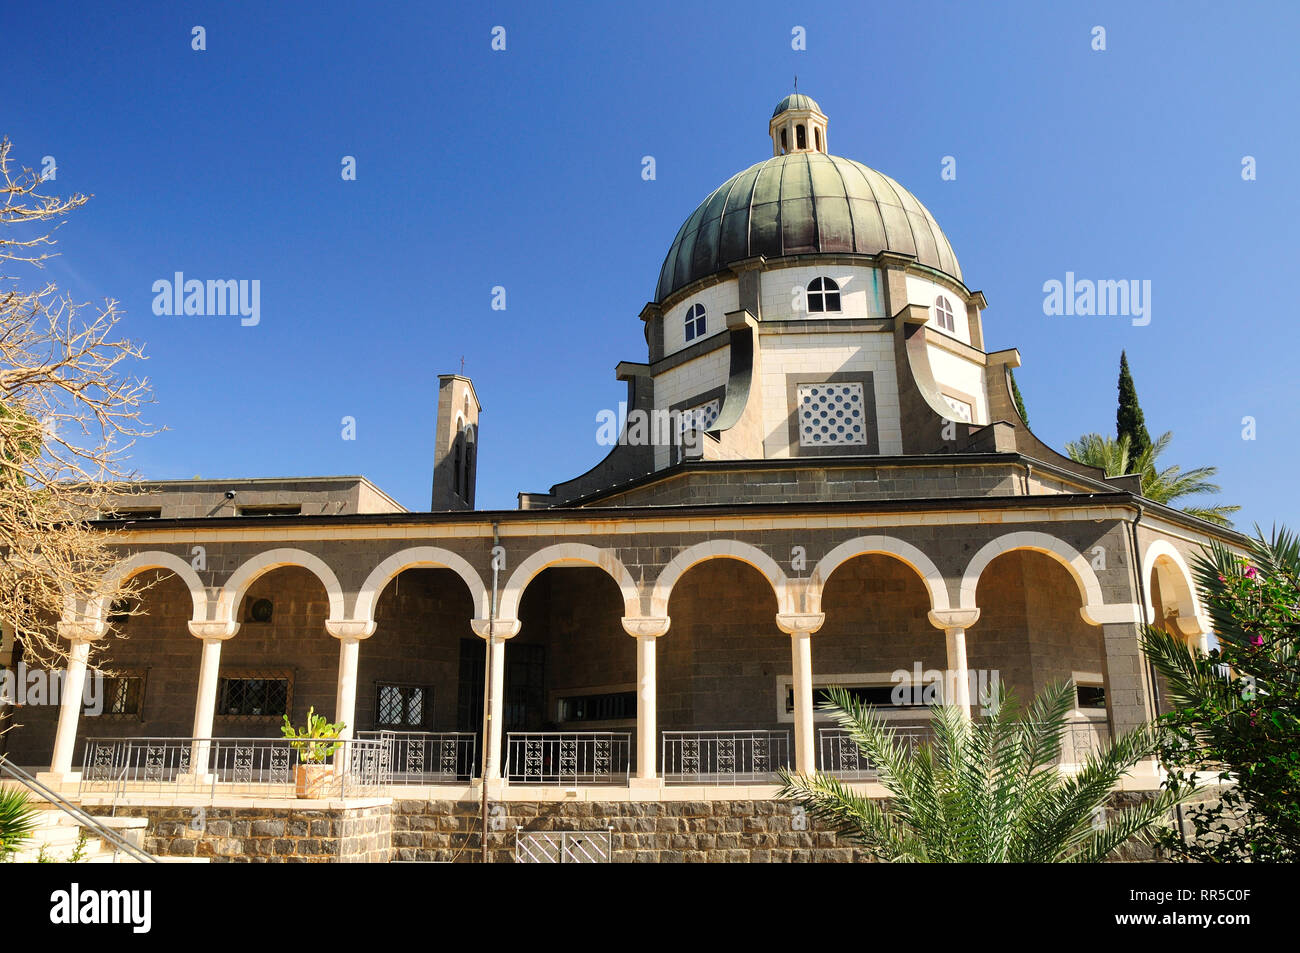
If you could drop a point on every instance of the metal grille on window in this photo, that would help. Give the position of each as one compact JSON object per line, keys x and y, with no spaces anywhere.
{"x":831,"y":415}
{"x":701,"y":416}
{"x":401,"y":706}
{"x":122,"y":694}
{"x":254,"y":696}
{"x":823,"y":295}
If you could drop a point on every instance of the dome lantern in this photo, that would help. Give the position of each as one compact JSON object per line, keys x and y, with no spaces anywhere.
{"x":797,"y":125}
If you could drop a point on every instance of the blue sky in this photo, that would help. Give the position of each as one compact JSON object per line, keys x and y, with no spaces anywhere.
{"x":522,"y":169}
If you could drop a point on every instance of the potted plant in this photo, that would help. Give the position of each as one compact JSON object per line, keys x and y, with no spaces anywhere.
{"x":314,"y":745}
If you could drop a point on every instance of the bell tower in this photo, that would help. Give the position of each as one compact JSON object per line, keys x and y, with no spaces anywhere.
{"x":455,"y":449}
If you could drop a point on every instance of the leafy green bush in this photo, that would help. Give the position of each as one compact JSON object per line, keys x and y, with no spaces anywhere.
{"x":984,"y":792}
{"x":1235,"y":727}
{"x":17,"y":820}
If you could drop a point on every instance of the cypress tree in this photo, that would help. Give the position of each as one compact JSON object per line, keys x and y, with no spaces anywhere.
{"x":1128,"y":418}
{"x":1020,"y":401}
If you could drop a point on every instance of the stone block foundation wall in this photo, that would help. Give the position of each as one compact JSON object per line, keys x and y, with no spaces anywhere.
{"x":644,"y":831}
{"x":279,"y":834}
{"x":447,"y":831}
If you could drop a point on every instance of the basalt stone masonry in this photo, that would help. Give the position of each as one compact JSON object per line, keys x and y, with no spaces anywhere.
{"x":262,"y":835}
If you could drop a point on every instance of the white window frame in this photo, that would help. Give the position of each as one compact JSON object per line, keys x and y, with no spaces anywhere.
{"x":696,"y":324}
{"x":944,"y":315}
{"x":821,"y":292}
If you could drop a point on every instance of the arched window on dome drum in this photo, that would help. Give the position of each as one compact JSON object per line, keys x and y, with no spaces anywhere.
{"x":823,"y":295}
{"x":943,"y":314}
{"x":817,"y":136}
{"x":785,"y":144}
{"x":800,"y":137}
{"x":695,"y":322}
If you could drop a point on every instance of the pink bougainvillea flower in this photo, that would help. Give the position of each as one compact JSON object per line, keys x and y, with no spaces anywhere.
{"x":1251,"y":572}
{"x":1257,"y":641}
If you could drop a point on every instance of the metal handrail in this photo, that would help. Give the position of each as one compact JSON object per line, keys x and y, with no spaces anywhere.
{"x":76,"y":813}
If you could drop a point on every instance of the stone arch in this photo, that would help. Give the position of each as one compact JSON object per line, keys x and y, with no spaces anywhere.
{"x":243,"y":577}
{"x":883,"y":545}
{"x":1094,"y":610}
{"x":415,"y":557}
{"x":156,"y":559}
{"x":1177,"y":585}
{"x":720,"y":549}
{"x":568,"y":554}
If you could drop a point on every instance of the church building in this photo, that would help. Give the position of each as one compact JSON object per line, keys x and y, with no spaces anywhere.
{"x":820,"y":478}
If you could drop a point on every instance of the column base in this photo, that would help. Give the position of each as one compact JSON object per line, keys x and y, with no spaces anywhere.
{"x":496,"y":788}
{"x":646,"y":784}
{"x":201,"y":780}
{"x":54,"y":779}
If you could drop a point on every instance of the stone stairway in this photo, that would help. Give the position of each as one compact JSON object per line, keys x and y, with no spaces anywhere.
{"x":57,"y":834}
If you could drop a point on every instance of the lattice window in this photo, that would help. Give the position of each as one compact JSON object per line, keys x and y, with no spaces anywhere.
{"x":701,"y":416}
{"x":123,"y":695}
{"x":831,"y":415}
{"x":960,"y":408}
{"x":403,"y":706}
{"x":255,"y":696}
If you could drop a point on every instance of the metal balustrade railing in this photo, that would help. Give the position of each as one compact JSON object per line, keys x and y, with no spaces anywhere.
{"x":568,"y":758}
{"x":427,"y":757}
{"x":724,"y":757}
{"x":838,"y":756}
{"x":267,"y":767}
{"x":1083,"y":738}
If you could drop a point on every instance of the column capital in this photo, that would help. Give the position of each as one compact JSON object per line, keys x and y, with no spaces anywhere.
{"x":800,"y":623}
{"x":355,"y":629}
{"x":82,"y":630}
{"x":213,"y":630}
{"x":953,"y":618}
{"x":501,"y":629}
{"x":647,"y":627}
{"x":1191,"y":625}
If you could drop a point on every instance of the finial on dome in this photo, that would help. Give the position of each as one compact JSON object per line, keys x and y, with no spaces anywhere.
{"x":797,"y":125}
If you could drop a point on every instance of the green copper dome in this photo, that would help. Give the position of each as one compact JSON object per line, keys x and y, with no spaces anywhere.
{"x":795,"y":101}
{"x":800,"y":204}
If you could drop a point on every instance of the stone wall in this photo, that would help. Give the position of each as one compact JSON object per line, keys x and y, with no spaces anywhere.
{"x":735,"y":832}
{"x":290,"y":834}
{"x":644,"y":831}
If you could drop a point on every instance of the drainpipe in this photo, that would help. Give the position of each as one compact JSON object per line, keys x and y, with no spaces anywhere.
{"x":487,"y":693}
{"x":1142,"y":601}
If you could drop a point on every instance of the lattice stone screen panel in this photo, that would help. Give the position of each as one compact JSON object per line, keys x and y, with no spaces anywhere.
{"x":831,"y":415}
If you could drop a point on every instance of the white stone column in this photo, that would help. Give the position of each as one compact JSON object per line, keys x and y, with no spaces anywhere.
{"x":350,"y":634}
{"x":954,"y":623}
{"x":79,"y":635}
{"x":205,"y":704}
{"x":646,"y":631}
{"x":494,"y":690}
{"x":800,"y":626}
